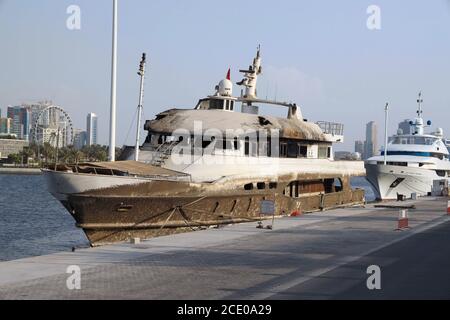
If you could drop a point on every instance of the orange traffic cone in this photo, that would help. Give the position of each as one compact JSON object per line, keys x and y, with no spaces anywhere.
{"x":403,"y":222}
{"x":297,"y":213}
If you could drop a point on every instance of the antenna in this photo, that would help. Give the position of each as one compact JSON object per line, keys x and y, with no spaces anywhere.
{"x":419,"y":102}
{"x":141,"y":73}
{"x":386,"y":112}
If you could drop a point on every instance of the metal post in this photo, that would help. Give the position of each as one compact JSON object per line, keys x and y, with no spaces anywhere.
{"x":112,"y":131}
{"x":141,"y":73}
{"x":386,"y":114}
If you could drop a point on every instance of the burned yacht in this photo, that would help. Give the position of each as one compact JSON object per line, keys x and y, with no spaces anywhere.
{"x":208,"y":166}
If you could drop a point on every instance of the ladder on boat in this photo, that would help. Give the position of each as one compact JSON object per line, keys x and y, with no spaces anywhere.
{"x":163,"y":152}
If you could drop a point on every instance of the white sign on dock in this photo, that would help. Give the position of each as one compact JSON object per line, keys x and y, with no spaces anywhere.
{"x":267,"y":207}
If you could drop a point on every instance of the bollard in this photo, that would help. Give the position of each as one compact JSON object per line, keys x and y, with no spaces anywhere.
{"x":135,"y":240}
{"x":403,"y":222}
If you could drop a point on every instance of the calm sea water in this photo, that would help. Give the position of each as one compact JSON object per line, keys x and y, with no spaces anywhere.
{"x":33,"y":223}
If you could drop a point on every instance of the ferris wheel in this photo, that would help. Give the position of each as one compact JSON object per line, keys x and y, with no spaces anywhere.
{"x":53,"y":125}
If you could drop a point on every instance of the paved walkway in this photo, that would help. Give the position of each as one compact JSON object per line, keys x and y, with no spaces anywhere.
{"x":240,"y":261}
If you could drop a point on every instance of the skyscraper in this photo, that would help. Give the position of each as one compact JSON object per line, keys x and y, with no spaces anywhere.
{"x":91,"y":129}
{"x":359,"y":148}
{"x":5,"y":125}
{"x":20,"y":121}
{"x":371,"y":144}
{"x":79,"y":138}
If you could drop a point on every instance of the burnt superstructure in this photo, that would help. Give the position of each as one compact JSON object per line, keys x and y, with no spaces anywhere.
{"x":211,"y":165}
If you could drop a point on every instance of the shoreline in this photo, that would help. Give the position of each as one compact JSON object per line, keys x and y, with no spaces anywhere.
{"x":21,"y":171}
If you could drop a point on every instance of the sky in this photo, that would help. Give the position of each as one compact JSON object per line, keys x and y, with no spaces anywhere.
{"x":319,"y":54}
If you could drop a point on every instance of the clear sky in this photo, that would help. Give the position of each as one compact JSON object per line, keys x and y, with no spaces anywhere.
{"x":318,"y":53}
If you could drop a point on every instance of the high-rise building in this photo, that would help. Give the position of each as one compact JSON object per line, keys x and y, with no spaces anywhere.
{"x":53,"y":136}
{"x":359,"y":148}
{"x":371,"y":143}
{"x":91,"y":129}
{"x":5,"y":125}
{"x":20,"y":121}
{"x":79,"y":138}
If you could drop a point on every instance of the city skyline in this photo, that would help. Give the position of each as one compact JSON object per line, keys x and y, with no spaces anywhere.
{"x":20,"y":122}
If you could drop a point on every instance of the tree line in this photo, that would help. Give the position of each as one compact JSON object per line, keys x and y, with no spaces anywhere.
{"x":43,"y":155}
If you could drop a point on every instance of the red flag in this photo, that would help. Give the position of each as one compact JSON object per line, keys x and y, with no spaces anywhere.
{"x":229,"y":74}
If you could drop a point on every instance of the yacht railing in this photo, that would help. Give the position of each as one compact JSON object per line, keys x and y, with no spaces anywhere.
{"x":333,"y":128}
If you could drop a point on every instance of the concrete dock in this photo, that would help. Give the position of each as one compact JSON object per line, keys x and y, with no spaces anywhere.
{"x":323,"y":255}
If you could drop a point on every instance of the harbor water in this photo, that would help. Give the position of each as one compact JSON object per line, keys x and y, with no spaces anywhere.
{"x":33,"y":223}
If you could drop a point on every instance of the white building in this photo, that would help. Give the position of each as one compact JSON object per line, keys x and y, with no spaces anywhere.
{"x":91,"y":129}
{"x":55,"y":136}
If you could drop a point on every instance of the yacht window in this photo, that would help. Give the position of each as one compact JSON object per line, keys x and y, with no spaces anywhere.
{"x":161,"y":139}
{"x":261,"y":185}
{"x":415,"y":140}
{"x":248,"y":186}
{"x":227,"y":104}
{"x":303,"y":151}
{"x":292,"y":151}
{"x":400,"y":164}
{"x":216,"y":104}
{"x":247,"y":146}
{"x":441,"y":173}
{"x":338,"y":184}
{"x":273,"y":185}
{"x":231,"y":105}
{"x":283,"y":149}
{"x":236,"y":144}
{"x":329,"y":152}
{"x":323,"y":152}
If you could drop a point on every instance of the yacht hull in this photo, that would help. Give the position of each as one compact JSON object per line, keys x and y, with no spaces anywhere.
{"x":108,"y":218}
{"x":388,"y":181}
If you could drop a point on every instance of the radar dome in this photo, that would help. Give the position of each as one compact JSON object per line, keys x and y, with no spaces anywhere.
{"x":439,"y":132}
{"x":399,"y":132}
{"x":225,"y":88}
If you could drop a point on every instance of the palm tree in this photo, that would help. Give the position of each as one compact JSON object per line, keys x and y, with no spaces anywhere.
{"x":27,"y":153}
{"x":47,"y":151}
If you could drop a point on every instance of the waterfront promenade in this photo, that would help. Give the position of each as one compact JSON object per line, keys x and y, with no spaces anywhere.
{"x":323,"y":255}
{"x":19,"y":170}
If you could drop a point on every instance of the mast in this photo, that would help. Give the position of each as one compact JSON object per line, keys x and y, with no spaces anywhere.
{"x":141,"y":73}
{"x":419,"y":102}
{"x":386,"y":114}
{"x":112,"y":124}
{"x":418,"y":123}
{"x":251,"y":77}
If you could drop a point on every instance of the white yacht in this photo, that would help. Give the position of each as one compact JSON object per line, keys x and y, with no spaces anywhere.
{"x":414,"y":162}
